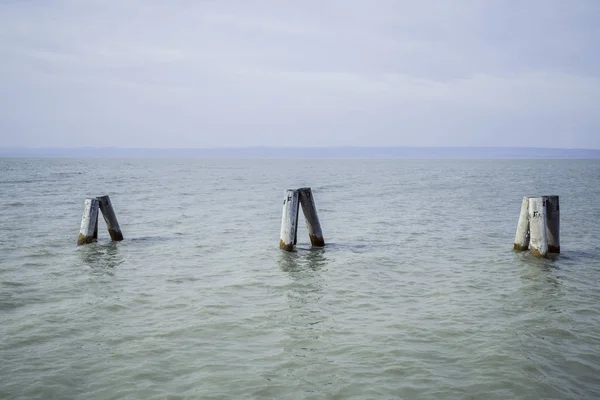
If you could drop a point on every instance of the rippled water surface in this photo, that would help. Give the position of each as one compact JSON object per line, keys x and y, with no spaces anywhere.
{"x":418,"y":293}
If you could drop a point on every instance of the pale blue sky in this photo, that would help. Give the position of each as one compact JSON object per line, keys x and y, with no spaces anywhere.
{"x":183,"y":73}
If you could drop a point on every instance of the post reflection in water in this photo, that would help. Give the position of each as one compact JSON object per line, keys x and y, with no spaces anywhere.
{"x":541,"y":282}
{"x":538,"y":319}
{"x":307,"y":327}
{"x":102,"y":259}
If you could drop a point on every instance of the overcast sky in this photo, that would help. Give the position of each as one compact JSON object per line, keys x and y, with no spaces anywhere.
{"x":184,"y":73}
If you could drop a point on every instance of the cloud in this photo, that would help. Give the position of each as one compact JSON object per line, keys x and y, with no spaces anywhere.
{"x":218,"y":73}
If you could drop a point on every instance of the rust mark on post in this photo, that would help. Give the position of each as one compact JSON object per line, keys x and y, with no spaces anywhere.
{"x":518,"y":247}
{"x":284,"y":246}
{"x":82,"y":239}
{"x":536,"y":253}
{"x":316,"y":240}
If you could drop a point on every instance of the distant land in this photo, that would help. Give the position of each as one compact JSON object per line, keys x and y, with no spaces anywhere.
{"x":305,"y":152}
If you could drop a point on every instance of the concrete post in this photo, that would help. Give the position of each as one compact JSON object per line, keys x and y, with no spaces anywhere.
{"x":522,"y":235}
{"x":289,"y":220}
{"x":88,"y":232}
{"x":537,"y":226}
{"x":312,"y":219}
{"x":110,"y":218}
{"x":553,"y":223}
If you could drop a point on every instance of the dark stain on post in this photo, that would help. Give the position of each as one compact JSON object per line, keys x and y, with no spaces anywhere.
{"x":553,"y":248}
{"x":316,"y":240}
{"x":536,"y":253}
{"x":286,"y":247}
{"x":115,"y":235}
{"x":518,"y":247}
{"x":82,"y":239}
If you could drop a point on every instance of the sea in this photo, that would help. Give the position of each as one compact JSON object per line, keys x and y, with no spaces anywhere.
{"x":417,"y":294}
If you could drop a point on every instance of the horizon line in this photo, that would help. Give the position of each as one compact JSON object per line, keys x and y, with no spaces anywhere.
{"x":296,"y":147}
{"x":314,"y":152}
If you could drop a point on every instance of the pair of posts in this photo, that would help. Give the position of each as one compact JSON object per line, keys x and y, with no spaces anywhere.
{"x":293,"y":199}
{"x":538,"y":229}
{"x":88,"y":232}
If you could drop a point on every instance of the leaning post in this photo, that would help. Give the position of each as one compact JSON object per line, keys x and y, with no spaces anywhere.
{"x":537,"y":226}
{"x":289,"y":220}
{"x":312,"y":219}
{"x":88,"y":232}
{"x":110,"y":218}
{"x":522,"y":235}
{"x":553,"y":224}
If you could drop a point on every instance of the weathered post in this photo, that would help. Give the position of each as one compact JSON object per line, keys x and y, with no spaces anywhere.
{"x":312,"y":219}
{"x":537,"y":226}
{"x":522,"y":235}
{"x":289,"y":220}
{"x":110,"y":218}
{"x":553,"y":224}
{"x":88,"y":232}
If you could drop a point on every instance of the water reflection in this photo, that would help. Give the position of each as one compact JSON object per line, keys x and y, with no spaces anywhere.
{"x":312,"y":258}
{"x":305,"y":322}
{"x":303,"y":267}
{"x":102,"y":259}
{"x":541,"y":286}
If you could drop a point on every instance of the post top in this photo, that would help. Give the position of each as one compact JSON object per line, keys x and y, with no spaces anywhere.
{"x":302,"y":189}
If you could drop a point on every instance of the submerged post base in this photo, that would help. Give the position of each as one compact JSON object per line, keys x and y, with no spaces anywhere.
{"x":518,"y":247}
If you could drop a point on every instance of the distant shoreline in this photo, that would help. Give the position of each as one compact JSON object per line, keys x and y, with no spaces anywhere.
{"x":308,"y":152}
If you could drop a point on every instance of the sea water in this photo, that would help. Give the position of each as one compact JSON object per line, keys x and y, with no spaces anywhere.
{"x":417,"y":294}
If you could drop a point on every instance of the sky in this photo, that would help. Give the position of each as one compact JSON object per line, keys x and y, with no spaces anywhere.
{"x":220,"y":73}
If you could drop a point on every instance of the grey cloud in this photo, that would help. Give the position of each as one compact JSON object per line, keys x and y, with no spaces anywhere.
{"x":219,"y":73}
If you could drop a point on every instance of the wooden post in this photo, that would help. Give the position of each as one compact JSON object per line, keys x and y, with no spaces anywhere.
{"x":537,"y":226}
{"x":289,"y":220}
{"x":88,"y":232}
{"x":312,"y":219}
{"x":553,"y":224}
{"x":110,"y":218}
{"x":522,"y":235}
